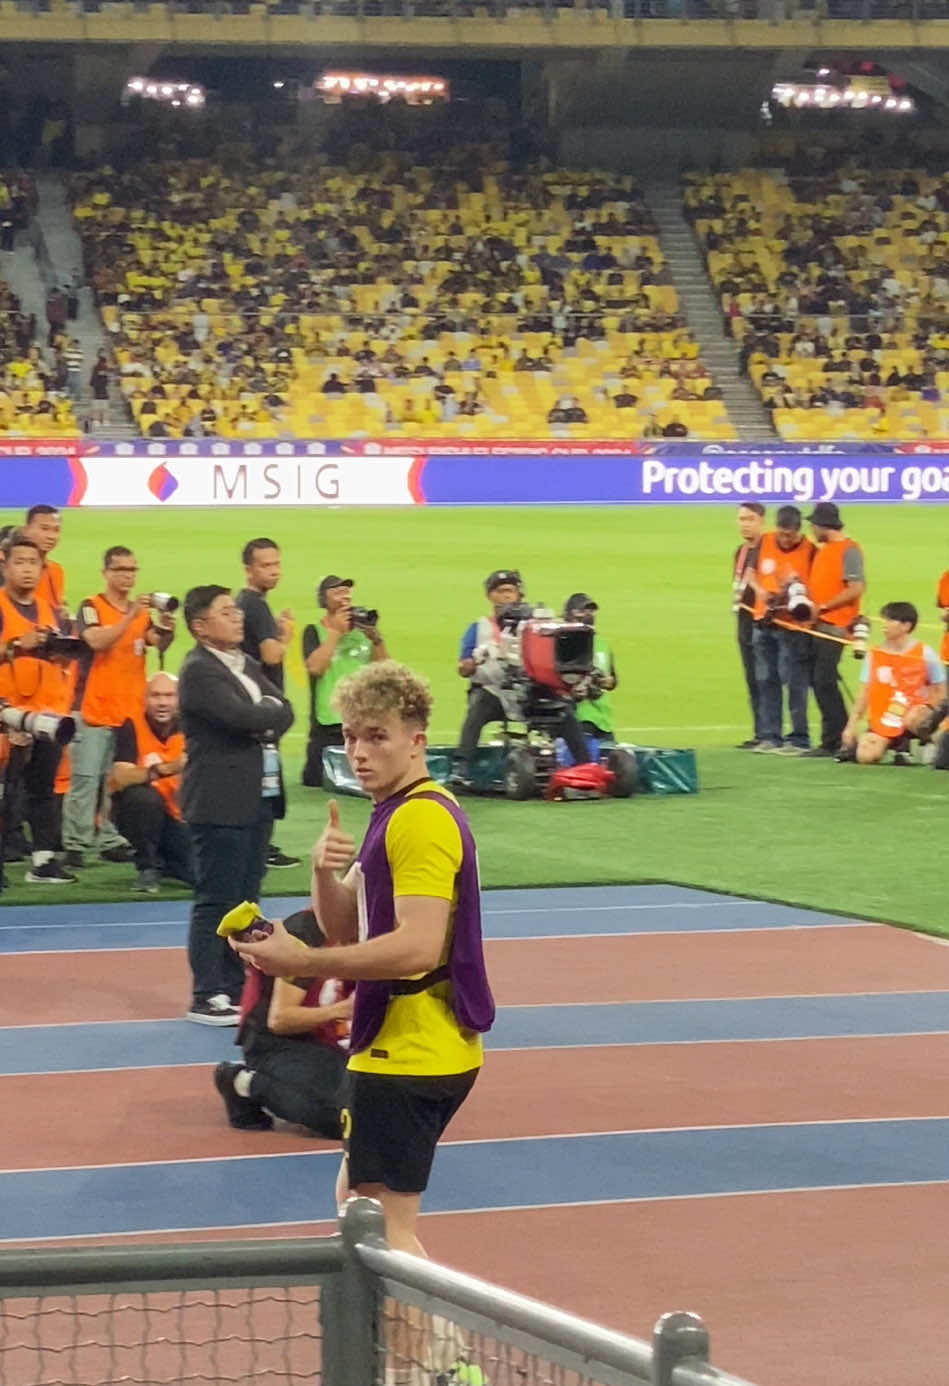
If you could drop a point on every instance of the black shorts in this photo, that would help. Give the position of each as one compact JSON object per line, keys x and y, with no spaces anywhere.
{"x":391,"y":1126}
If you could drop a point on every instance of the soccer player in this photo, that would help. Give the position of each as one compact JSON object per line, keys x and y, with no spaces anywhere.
{"x":404,"y":923}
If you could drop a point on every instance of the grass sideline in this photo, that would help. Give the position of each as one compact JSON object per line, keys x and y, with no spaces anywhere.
{"x":846,"y":839}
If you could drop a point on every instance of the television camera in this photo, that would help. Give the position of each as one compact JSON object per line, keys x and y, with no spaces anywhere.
{"x":538,"y":670}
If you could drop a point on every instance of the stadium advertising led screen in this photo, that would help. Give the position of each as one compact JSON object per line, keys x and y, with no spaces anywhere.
{"x":364,"y":472}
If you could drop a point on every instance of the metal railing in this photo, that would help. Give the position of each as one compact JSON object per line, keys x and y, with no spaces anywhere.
{"x":343,"y":1310}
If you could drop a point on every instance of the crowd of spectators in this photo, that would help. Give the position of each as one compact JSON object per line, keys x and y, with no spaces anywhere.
{"x":771,"y":11}
{"x":833,"y":274}
{"x":459,"y":296}
{"x":34,"y":395}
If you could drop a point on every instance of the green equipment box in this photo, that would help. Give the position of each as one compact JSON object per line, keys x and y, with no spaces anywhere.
{"x":660,"y":771}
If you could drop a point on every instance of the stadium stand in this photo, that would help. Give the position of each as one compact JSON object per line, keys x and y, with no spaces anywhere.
{"x":771,"y":11}
{"x":458,"y":297}
{"x":33,"y":398}
{"x":833,"y":274}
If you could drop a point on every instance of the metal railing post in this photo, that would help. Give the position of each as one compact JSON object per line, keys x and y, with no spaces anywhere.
{"x":352,"y":1302}
{"x":677,"y":1337}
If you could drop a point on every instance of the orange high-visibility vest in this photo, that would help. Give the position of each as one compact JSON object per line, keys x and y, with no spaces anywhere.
{"x":897,"y":683}
{"x":114,"y":684}
{"x":776,"y":566}
{"x":34,"y":684}
{"x":827,"y":581}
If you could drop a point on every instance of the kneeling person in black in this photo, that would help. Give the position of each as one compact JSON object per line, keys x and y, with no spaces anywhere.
{"x":295,"y":1038}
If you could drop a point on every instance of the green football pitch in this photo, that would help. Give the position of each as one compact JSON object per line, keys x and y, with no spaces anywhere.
{"x":862,"y":841}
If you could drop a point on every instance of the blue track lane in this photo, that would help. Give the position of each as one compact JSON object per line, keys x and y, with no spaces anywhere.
{"x":482,"y":1175}
{"x":509,"y":914}
{"x":163,"y":1043}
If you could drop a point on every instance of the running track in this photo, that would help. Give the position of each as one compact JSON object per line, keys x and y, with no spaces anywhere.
{"x":689,"y":1101}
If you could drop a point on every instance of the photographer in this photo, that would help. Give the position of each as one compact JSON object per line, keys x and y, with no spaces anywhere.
{"x":31,"y":681}
{"x":231,"y":790}
{"x":836,"y":584}
{"x":777,"y":566}
{"x":346,"y":638}
{"x":116,"y":628}
{"x":295,"y":1038}
{"x":902,"y":685}
{"x":149,"y":759}
{"x":43,"y":525}
{"x":595,"y":711}
{"x":751,"y":515}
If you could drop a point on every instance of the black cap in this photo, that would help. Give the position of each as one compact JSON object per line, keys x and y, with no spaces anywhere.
{"x":500,"y":577}
{"x":331,"y":581}
{"x":580,"y":601}
{"x":826,"y":513}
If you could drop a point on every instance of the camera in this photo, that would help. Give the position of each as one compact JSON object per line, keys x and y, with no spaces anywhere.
{"x":42,"y":726}
{"x":66,"y":646}
{"x":860,"y":630}
{"x":52,"y":643}
{"x":362,"y":617}
{"x":798,"y":603}
{"x":164,"y":601}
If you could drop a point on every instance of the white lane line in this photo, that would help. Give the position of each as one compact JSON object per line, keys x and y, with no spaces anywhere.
{"x":548,"y":1006}
{"x":612,"y":1134}
{"x":486,"y":914}
{"x":811,"y":1038}
{"x":500,"y":938}
{"x":144,"y":1234}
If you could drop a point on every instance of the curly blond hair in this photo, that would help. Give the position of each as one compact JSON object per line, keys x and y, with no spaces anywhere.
{"x":376,"y":690}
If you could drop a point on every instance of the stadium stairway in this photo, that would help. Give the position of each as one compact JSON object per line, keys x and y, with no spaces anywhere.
{"x":703,"y":312}
{"x":63,"y":255}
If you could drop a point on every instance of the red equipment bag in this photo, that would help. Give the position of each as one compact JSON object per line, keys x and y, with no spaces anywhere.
{"x":593,"y":778}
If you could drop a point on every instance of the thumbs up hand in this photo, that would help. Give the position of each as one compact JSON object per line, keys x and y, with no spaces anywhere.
{"x":333,"y":849}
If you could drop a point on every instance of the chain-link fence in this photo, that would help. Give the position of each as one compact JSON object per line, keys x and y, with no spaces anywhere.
{"x":184,"y":1338}
{"x":328,"y":1311}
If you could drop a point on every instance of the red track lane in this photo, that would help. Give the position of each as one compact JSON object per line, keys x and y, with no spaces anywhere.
{"x":832,"y":1288}
{"x":152,"y":984}
{"x":174,"y":1114}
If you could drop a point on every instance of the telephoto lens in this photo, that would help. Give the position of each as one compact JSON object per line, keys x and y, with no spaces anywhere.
{"x":164,"y":601}
{"x":42,"y":726}
{"x":860,"y":630}
{"x":799,"y":605}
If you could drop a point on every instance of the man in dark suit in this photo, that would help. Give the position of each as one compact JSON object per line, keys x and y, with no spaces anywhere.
{"x":231,"y":790}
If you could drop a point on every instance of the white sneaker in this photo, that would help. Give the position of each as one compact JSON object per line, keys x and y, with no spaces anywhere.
{"x":216,"y":1010}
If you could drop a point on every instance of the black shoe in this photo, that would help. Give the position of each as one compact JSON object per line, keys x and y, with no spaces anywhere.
{"x":243,"y":1114}
{"x":50,"y":873}
{"x":214,"y":1010}
{"x":748,"y":745}
{"x":818,"y":753}
{"x":146,"y":882}
{"x":276,"y":859}
{"x":74,"y":860}
{"x":846,"y":754}
{"x":119,"y":856}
